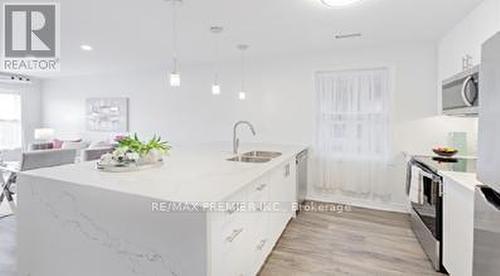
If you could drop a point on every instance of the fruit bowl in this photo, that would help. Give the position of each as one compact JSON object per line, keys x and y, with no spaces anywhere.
{"x":446,"y":152}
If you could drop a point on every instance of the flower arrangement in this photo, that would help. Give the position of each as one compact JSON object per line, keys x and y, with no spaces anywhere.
{"x":130,"y":150}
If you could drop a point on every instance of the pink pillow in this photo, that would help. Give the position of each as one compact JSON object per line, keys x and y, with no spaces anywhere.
{"x":57,"y":143}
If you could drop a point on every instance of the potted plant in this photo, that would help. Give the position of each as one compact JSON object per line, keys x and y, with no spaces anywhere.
{"x":132,"y":151}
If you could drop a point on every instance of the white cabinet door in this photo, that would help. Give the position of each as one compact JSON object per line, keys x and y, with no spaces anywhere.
{"x":489,"y":128}
{"x":281,"y":197}
{"x":458,"y":228}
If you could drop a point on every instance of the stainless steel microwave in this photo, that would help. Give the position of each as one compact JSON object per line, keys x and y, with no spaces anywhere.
{"x":461,"y":94}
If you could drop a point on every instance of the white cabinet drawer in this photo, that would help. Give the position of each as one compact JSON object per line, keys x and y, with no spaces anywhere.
{"x":258,"y":200}
{"x":262,"y":244}
{"x":232,"y":210}
{"x":259,"y":190}
{"x":230,"y":248}
{"x":242,"y":239}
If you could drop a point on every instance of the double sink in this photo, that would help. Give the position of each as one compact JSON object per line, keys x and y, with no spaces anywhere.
{"x":255,"y":156}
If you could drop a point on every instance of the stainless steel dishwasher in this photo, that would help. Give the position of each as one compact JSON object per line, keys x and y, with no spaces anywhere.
{"x":301,"y":163}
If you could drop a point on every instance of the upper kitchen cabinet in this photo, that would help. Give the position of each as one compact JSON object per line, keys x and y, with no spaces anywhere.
{"x":465,"y":39}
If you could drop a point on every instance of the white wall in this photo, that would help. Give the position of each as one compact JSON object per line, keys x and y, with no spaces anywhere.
{"x":466,"y":38}
{"x":280,"y":102}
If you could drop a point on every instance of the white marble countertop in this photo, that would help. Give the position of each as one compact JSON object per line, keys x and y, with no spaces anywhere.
{"x":468,"y":180}
{"x":197,"y":174}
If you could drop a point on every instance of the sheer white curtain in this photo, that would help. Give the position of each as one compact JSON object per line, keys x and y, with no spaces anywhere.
{"x":352,"y":133}
{"x":10,"y":120}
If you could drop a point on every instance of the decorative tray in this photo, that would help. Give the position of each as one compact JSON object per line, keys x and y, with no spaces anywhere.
{"x":127,"y":167}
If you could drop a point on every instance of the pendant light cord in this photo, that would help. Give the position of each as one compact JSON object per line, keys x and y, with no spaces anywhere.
{"x":174,"y":33}
{"x":242,"y":70}
{"x":216,"y":59}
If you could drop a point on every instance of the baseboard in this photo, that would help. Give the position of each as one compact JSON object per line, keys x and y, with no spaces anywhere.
{"x":391,"y":207}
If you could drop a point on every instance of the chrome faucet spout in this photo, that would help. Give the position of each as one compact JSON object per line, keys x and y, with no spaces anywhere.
{"x":236,"y":140}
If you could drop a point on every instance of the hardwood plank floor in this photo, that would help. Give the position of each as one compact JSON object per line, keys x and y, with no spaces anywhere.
{"x":356,"y":242}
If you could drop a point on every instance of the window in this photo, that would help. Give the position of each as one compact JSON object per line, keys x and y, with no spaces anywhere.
{"x":353,"y":113}
{"x":10,"y":120}
{"x":352,"y":134}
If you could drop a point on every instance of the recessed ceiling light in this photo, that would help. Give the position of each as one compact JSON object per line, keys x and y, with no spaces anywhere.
{"x":339,"y":3}
{"x":86,"y":47}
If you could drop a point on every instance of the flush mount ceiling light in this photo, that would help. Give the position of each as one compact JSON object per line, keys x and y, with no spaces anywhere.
{"x":339,"y":3}
{"x":86,"y":47}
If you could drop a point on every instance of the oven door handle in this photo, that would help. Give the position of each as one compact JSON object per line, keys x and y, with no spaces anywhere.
{"x":421,"y":172}
{"x":426,"y":174}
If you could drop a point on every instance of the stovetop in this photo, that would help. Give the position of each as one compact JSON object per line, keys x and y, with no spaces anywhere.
{"x":467,"y":165}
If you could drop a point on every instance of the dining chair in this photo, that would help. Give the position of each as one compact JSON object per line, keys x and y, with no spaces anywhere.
{"x":35,"y":160}
{"x":47,"y":158}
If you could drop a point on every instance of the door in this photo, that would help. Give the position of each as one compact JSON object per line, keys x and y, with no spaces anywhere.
{"x":486,"y":232}
{"x":489,"y":128}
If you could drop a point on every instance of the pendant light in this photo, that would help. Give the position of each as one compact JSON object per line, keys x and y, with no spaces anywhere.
{"x":175,"y":77}
{"x":242,"y":95}
{"x":216,"y":86}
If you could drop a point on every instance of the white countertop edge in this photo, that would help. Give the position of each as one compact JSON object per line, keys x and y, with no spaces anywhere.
{"x":468,"y":180}
{"x":432,"y":154}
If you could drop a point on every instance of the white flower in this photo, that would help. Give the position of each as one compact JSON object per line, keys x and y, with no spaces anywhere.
{"x":120,"y":152}
{"x":106,"y":159}
{"x":133,"y":156}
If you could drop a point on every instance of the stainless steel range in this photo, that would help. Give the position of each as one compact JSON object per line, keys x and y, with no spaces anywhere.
{"x":425,"y":190}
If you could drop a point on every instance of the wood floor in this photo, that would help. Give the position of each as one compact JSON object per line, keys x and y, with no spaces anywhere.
{"x":358,"y":242}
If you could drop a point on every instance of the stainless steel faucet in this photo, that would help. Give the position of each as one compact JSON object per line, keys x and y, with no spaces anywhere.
{"x":236,"y":141}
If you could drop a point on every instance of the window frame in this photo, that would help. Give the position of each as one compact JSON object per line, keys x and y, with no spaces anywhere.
{"x":13,"y":91}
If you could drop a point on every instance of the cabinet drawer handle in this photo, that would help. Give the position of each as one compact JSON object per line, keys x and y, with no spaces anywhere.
{"x":287,"y":170}
{"x":261,"y":244}
{"x":234,"y":235}
{"x":261,"y":187}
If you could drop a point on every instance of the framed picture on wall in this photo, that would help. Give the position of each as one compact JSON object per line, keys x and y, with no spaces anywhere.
{"x":107,"y":114}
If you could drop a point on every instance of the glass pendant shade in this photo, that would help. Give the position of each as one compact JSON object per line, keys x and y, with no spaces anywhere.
{"x":242,"y":95}
{"x":175,"y":79}
{"x":216,"y":89}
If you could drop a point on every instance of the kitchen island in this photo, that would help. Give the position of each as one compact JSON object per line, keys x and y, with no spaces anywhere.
{"x":195,"y":215}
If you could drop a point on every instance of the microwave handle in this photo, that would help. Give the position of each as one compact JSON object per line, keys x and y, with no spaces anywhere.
{"x":464,"y":91}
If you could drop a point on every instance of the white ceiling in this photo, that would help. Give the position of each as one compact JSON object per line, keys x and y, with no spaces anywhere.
{"x":128,"y":34}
